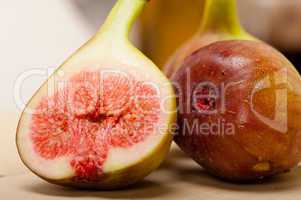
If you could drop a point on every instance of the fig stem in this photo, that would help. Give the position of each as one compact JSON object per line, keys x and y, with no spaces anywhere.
{"x":221,"y":16}
{"x":120,"y":20}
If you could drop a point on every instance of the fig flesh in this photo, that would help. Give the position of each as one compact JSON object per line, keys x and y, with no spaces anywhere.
{"x":101,"y":121}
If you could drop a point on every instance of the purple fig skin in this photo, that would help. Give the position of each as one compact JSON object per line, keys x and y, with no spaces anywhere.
{"x":175,"y":62}
{"x":220,"y":22}
{"x":251,"y":126}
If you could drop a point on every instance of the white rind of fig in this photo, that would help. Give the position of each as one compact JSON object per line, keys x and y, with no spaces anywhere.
{"x":109,"y":50}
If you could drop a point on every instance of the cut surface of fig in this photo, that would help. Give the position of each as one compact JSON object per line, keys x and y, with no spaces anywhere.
{"x":91,"y":115}
{"x":101,"y":120}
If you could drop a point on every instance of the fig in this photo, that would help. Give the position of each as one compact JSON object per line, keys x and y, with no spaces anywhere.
{"x":101,"y":121}
{"x":219,"y":22}
{"x":239,"y":110}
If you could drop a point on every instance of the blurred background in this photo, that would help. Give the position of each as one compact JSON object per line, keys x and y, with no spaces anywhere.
{"x":38,"y":34}
{"x":168,"y":23}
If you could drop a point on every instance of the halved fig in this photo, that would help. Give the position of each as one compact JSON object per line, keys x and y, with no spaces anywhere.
{"x":102,"y":119}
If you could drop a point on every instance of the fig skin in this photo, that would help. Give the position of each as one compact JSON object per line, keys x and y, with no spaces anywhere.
{"x":175,"y":62}
{"x":122,"y":178}
{"x":220,"y":22}
{"x":254,"y":148}
{"x":108,"y":50}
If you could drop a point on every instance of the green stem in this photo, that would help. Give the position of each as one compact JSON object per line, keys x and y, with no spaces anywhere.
{"x":221,"y":16}
{"x":120,"y":20}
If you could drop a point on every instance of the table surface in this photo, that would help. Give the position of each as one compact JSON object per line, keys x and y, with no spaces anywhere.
{"x":178,"y":178}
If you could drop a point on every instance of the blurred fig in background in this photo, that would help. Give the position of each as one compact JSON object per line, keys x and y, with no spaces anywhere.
{"x":165,"y":24}
{"x":220,"y":22}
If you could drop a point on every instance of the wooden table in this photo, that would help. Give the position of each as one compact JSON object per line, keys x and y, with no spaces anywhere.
{"x":178,"y":178}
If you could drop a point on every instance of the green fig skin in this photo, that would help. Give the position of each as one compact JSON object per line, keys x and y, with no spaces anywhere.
{"x":121,"y":179}
{"x":110,"y":47}
{"x":220,"y":22}
{"x":258,"y":112}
